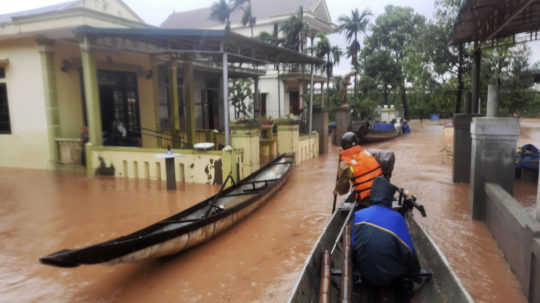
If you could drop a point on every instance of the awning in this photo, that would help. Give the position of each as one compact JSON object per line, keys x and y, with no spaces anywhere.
{"x":194,"y":41}
{"x":489,"y":20}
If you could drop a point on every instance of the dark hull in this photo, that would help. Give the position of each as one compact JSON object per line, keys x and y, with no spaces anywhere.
{"x":377,"y":136}
{"x":443,"y":287}
{"x":187,"y":228}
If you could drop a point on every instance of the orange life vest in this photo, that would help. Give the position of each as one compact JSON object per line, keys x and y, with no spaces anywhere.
{"x":364,"y":167}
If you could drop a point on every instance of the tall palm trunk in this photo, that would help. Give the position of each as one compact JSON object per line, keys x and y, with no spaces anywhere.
{"x":385,"y":92}
{"x":328,"y":66}
{"x":355,"y":65}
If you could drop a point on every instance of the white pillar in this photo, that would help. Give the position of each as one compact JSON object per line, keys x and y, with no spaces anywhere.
{"x":310,"y":117}
{"x":492,"y":100}
{"x":279,"y":93}
{"x":226,"y":97}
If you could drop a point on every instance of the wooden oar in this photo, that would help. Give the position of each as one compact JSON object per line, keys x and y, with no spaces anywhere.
{"x":335,"y":193}
{"x":324,"y":296}
{"x":346,"y":269}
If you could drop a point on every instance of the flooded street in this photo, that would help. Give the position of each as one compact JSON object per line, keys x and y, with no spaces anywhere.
{"x":424,"y":167}
{"x":257,"y":260}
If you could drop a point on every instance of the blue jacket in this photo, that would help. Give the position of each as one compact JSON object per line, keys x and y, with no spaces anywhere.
{"x":382,"y":247}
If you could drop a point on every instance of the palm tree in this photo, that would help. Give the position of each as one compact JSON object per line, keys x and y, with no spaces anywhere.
{"x":247,"y":17}
{"x":351,"y":26}
{"x":332,"y":55}
{"x":221,"y":11}
{"x":295,"y":31}
{"x":272,"y":39}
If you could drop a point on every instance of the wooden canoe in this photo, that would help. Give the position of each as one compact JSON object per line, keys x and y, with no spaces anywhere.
{"x":366,"y":134}
{"x":376,"y":136}
{"x":444,"y":285}
{"x":188,"y":228}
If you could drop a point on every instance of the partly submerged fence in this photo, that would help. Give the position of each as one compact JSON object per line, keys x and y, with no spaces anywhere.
{"x":206,"y":167}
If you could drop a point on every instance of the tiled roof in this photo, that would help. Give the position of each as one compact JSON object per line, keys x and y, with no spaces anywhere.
{"x":7,"y":18}
{"x":262,"y":9}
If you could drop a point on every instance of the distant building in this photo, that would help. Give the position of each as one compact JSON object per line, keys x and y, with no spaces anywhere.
{"x":388,"y":113}
{"x":278,"y":98}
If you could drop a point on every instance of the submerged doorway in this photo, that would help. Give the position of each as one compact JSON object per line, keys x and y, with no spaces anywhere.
{"x":120,"y":117}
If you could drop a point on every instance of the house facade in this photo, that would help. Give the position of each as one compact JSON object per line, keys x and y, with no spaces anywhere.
{"x":89,"y":82}
{"x":289,"y":95}
{"x":40,"y":98}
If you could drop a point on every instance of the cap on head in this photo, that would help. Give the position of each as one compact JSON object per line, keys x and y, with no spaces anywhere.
{"x":349,"y":140}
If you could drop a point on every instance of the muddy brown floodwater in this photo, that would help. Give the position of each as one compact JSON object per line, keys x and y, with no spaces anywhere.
{"x":525,"y":189}
{"x":424,"y":167}
{"x":257,"y":260}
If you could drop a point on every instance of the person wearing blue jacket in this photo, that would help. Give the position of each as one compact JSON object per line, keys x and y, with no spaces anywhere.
{"x":382,"y":247}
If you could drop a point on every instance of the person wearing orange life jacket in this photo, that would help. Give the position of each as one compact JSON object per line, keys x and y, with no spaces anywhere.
{"x":361,"y":167}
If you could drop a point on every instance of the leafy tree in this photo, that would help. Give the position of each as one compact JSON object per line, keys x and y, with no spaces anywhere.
{"x":395,"y":33}
{"x":272,"y":39}
{"x":239,"y":93}
{"x":351,"y":26}
{"x":448,"y":60}
{"x":221,"y":11}
{"x":508,"y":68}
{"x":381,"y":72}
{"x":247,"y":17}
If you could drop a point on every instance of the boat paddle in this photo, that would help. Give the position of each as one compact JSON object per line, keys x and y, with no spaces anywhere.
{"x":335,"y":192}
{"x":334,"y":205}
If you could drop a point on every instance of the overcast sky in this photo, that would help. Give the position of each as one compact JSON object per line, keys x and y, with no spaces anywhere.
{"x":155,"y":12}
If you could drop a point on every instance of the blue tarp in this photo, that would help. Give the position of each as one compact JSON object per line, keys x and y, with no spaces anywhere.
{"x":435,"y":117}
{"x":384,"y":127}
{"x":527,"y":157}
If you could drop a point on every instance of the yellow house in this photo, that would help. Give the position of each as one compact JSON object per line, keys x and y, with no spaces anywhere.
{"x":40,"y":92}
{"x":89,"y":81}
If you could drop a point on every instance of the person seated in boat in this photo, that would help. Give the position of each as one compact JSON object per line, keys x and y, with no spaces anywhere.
{"x":383,"y":251}
{"x":361,"y":167}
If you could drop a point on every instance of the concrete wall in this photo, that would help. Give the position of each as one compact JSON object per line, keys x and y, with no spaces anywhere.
{"x":308,"y":148}
{"x":68,"y":90}
{"x":247,"y":139}
{"x":516,"y":233}
{"x":27,"y":145}
{"x":190,"y":167}
{"x":290,"y":141}
{"x":320,"y":124}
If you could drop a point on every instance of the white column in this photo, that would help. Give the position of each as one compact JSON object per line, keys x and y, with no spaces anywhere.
{"x":310,"y":116}
{"x":226,"y":97}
